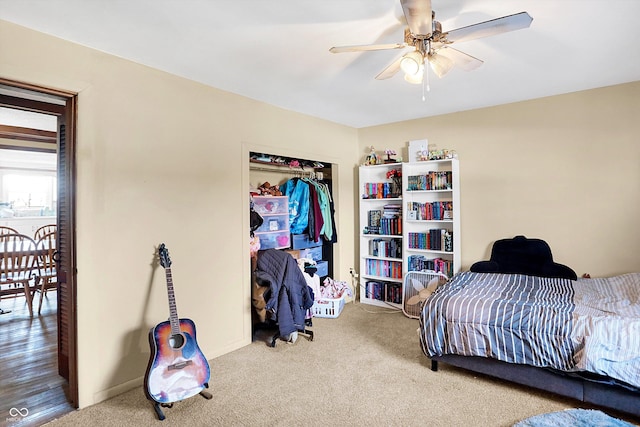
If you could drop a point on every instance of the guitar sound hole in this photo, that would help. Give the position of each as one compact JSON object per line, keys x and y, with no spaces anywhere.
{"x":176,"y":341}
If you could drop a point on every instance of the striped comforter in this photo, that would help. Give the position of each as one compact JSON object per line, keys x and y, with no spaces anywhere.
{"x":585,"y":325}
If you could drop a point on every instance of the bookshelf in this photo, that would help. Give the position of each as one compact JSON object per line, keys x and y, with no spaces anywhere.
{"x":431,"y":216}
{"x":381,"y":240}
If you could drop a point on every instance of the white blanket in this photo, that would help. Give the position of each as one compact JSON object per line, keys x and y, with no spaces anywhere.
{"x":606,"y":327}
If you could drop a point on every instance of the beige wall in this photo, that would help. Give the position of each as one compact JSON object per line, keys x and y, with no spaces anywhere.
{"x":565,"y":169}
{"x":164,"y":159}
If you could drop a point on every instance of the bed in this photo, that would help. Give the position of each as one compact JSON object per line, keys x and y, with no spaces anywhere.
{"x":576,"y":338}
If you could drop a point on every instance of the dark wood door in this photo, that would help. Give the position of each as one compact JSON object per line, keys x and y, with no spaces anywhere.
{"x":66,"y":261}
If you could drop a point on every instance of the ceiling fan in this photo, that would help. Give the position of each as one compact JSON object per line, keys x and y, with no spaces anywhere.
{"x":432,"y":45}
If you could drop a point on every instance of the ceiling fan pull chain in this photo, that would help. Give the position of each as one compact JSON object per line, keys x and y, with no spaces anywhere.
{"x":426,"y":77}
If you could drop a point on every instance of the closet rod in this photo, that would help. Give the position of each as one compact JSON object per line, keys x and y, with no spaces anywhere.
{"x":285,"y":171}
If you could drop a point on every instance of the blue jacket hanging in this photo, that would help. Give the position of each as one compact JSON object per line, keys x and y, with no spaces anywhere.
{"x":298,"y":193}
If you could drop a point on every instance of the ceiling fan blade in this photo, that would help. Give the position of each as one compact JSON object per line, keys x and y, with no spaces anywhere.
{"x":460,"y":59}
{"x":391,"y":70}
{"x":490,"y":28}
{"x":418,"y":14}
{"x":367,"y":47}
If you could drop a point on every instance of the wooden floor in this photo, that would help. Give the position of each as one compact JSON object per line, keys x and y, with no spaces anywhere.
{"x":31,"y":391}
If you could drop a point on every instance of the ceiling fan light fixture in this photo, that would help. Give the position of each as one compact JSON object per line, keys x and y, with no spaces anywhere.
{"x":415,"y":78}
{"x":411,"y":62}
{"x":440,"y":65}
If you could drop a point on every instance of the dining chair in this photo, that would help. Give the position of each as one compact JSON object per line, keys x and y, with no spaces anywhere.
{"x":18,"y":265}
{"x":7,"y":230}
{"x":45,"y":229}
{"x":47,"y":276}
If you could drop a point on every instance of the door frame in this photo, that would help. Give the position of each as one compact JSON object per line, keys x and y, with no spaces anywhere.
{"x":63,"y":105}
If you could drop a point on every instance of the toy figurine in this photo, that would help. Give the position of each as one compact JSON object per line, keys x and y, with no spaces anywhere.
{"x":372,"y":157}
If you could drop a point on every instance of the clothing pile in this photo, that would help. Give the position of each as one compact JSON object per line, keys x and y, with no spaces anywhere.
{"x":333,"y":289}
{"x":309,"y":269}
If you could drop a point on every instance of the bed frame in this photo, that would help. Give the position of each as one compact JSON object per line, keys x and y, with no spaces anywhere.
{"x":521,"y":255}
{"x":610,"y":396}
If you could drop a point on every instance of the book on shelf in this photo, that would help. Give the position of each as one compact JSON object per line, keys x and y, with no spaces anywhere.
{"x":430,"y":210}
{"x":384,"y":268}
{"x":374,"y":218}
{"x":387,"y":222}
{"x":375,"y":290}
{"x":391,"y":222}
{"x":436,"y":239}
{"x":384,"y":291}
{"x":433,"y":180}
{"x":378,"y":190}
{"x":386,"y":248}
{"x":394,"y":293}
{"x":422,"y":263}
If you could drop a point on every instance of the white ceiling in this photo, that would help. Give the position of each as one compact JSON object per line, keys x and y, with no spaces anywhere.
{"x":277,"y":51}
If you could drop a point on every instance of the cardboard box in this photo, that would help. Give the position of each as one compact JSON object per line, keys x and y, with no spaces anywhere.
{"x":294,"y":253}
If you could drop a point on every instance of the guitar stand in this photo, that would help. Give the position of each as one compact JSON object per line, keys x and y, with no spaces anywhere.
{"x":160,"y":413}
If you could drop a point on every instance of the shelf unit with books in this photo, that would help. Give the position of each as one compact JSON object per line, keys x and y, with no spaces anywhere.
{"x":381,"y":241}
{"x":431,"y":216}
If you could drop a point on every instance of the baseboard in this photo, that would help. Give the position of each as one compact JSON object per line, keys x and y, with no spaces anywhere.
{"x":118,"y":389}
{"x":139,"y":382}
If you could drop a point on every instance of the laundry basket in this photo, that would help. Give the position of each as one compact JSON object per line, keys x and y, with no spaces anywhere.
{"x":417,"y":287}
{"x":328,"y":307}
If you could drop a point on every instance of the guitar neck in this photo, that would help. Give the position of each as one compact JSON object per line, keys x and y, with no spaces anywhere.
{"x":173,"y":312}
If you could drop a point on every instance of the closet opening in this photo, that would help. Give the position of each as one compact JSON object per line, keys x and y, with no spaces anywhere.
{"x":311,"y":232}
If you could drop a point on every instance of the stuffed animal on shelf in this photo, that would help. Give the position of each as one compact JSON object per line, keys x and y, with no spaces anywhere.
{"x":267,"y":189}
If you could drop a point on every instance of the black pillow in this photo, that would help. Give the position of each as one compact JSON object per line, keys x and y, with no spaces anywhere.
{"x":521,"y":255}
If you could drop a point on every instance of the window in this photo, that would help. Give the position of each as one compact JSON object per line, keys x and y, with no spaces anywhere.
{"x":28,"y":183}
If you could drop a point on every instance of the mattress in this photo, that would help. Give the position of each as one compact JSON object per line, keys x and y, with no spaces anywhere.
{"x":588,"y":325}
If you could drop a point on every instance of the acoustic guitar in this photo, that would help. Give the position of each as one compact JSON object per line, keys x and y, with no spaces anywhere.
{"x":177,"y":368}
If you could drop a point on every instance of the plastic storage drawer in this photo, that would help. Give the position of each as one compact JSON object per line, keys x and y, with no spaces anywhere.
{"x":302,"y":241}
{"x":278,"y":240}
{"x":271,"y":204}
{"x":323,"y":268}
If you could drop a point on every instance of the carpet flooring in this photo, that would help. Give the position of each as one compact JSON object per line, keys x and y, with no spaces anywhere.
{"x":364,"y":368}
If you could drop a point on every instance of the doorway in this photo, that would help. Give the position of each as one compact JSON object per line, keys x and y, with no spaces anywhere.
{"x":61,"y":106}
